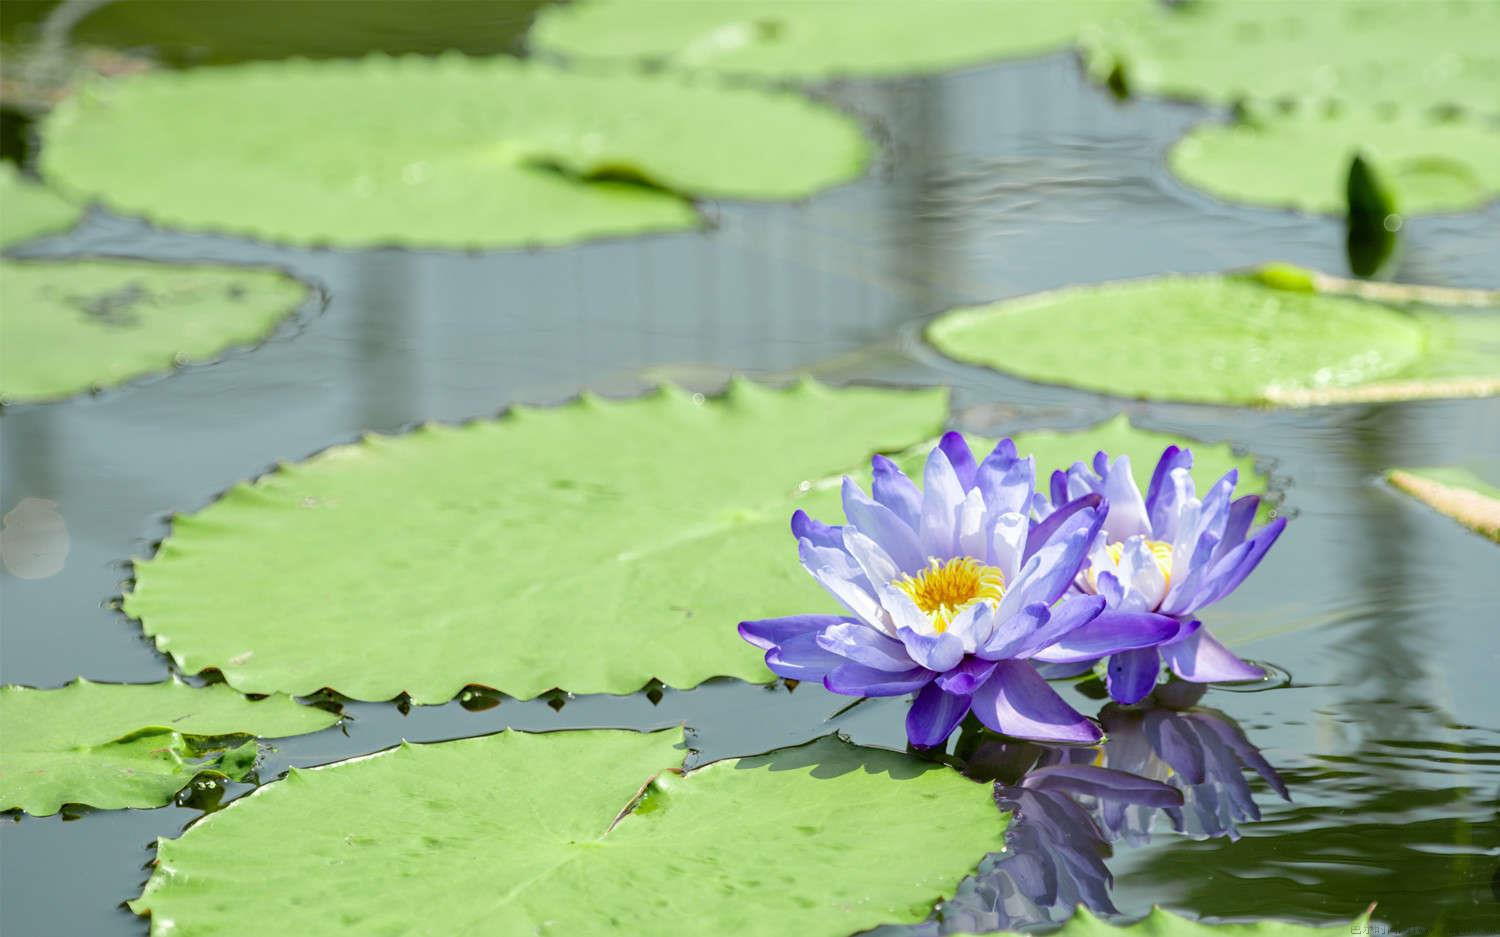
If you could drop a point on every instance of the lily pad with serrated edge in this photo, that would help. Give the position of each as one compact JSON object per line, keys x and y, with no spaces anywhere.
{"x":1227,"y":340}
{"x":128,"y":745}
{"x":782,"y":39}
{"x":1300,"y":158}
{"x":1456,"y":492}
{"x":1391,"y":53}
{"x":77,"y":325}
{"x":1163,"y":923}
{"x":581,"y":833}
{"x":29,"y":210}
{"x":444,"y":152}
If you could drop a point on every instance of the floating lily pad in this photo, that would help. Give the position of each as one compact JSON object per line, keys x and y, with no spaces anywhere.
{"x":589,"y":547}
{"x":823,"y":839}
{"x":791,"y":39}
{"x":1160,"y":923}
{"x":28,"y":210}
{"x":437,"y":152}
{"x":121,"y":745}
{"x":1389,"y":52}
{"x":1227,"y":340}
{"x":1300,"y":159}
{"x":72,"y":326}
{"x":1456,"y":492}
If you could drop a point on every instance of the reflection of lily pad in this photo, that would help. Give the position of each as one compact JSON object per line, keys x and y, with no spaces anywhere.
{"x":111,"y":745}
{"x":1160,"y":923}
{"x":1389,"y":52}
{"x":74,"y":325}
{"x":791,"y":38}
{"x":589,"y":547}
{"x":1301,"y":159}
{"x":28,"y":210}
{"x":822,"y":839}
{"x":1456,"y":492}
{"x":439,"y":152}
{"x":1227,"y":340}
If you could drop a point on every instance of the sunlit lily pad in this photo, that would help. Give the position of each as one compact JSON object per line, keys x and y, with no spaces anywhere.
{"x":122,"y":745}
{"x":1300,"y":159}
{"x":1456,"y":492}
{"x":792,"y":39}
{"x":437,"y":152}
{"x":28,"y":210}
{"x":590,"y":547}
{"x":823,"y":839}
{"x":1228,"y":340}
{"x":72,"y":326}
{"x":1161,"y":923}
{"x":1386,"y":52}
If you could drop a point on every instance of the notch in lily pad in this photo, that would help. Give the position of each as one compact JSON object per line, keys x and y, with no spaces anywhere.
{"x":1372,"y":221}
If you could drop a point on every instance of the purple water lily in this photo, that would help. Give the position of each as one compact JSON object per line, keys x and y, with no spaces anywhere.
{"x":952,"y":591}
{"x":1167,"y":555}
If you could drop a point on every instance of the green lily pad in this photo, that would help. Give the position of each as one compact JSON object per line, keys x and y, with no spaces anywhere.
{"x":539,"y":829}
{"x":792,"y":39}
{"x":1162,"y":923}
{"x":437,"y":152}
{"x":590,"y":547}
{"x":130,"y":745}
{"x":1456,"y":492}
{"x":72,"y":325}
{"x":28,"y":210}
{"x":1387,"y":52}
{"x":1227,"y":340}
{"x":1300,"y":159}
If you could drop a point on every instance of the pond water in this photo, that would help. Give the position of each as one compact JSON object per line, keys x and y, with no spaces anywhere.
{"x":994,"y":182}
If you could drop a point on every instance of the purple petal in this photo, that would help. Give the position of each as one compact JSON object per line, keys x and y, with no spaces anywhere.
{"x":937,"y":652}
{"x":853,"y":679}
{"x":1202,"y":659}
{"x":864,"y":645}
{"x":966,"y":677}
{"x":1067,"y":616}
{"x":893,"y":489}
{"x":1058,"y":523}
{"x":800,"y":658}
{"x":881,"y":525}
{"x":1059,"y":487}
{"x":1241,"y":515}
{"x":1049,"y":573}
{"x":1005,"y":480}
{"x":1112,"y":631}
{"x":821,"y":534}
{"x":960,"y":456}
{"x":1103,"y":783}
{"x":1238,"y":563}
{"x":769,"y":632}
{"x":941,"y":496}
{"x":934,"y":715}
{"x":1012,"y":633}
{"x":1171,"y":458}
{"x":1066,"y":671}
{"x":837,"y":572}
{"x":1131,"y":675}
{"x":1016,"y":701}
{"x":1127,"y":510}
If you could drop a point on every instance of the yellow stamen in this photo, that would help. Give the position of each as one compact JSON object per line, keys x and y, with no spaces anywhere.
{"x":1160,"y":552}
{"x":944,"y":589}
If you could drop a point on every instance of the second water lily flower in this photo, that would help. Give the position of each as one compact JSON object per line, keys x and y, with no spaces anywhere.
{"x":951,"y":591}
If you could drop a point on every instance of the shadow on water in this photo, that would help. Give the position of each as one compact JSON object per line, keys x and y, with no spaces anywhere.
{"x":995,"y":181}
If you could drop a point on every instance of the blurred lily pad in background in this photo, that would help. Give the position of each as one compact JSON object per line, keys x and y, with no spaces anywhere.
{"x":1227,"y":340}
{"x":76,"y":325}
{"x":131,"y":745}
{"x":29,"y":210}
{"x":1456,"y":492}
{"x":441,"y":152}
{"x":825,"y":839}
{"x":1162,"y":923}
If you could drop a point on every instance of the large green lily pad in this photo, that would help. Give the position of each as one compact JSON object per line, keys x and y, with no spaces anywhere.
{"x":793,"y":39}
{"x":73,"y":325}
{"x":1227,"y":340}
{"x":538,"y":833}
{"x":1300,"y":159}
{"x":1162,"y":923}
{"x":437,"y":152}
{"x":129,"y":745}
{"x":1388,"y":52}
{"x":28,"y":210}
{"x":590,"y":547}
{"x":1456,"y":492}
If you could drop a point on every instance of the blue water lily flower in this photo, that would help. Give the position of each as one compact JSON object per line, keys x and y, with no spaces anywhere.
{"x":1169,"y":554}
{"x":952,"y":591}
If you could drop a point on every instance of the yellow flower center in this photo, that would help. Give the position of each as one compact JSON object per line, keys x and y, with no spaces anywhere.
{"x":945,"y":588}
{"x":1160,"y":552}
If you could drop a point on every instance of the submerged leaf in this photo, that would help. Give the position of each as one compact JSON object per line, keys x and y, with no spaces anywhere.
{"x":130,"y":745}
{"x":1456,"y":492}
{"x":437,"y":152}
{"x":580,"y":833}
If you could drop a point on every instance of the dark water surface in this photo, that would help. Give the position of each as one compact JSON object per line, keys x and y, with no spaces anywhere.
{"x":995,"y":182}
